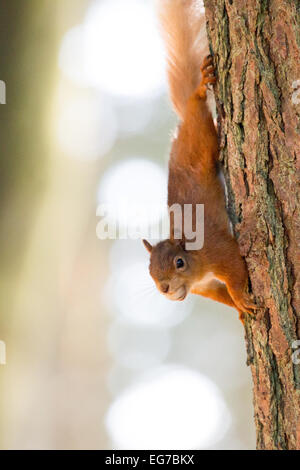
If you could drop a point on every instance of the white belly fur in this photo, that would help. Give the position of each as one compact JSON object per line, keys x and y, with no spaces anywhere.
{"x":204,"y":281}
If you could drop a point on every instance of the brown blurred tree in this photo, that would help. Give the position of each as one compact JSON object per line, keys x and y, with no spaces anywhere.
{"x":256,"y":46}
{"x":28,"y":54}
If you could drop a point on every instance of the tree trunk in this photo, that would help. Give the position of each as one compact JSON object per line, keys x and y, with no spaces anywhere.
{"x":256,"y":46}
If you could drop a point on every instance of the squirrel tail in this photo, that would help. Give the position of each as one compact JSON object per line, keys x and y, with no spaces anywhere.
{"x":183,"y":30}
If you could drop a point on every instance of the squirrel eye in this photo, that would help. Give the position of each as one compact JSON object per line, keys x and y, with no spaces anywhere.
{"x":179,"y":263}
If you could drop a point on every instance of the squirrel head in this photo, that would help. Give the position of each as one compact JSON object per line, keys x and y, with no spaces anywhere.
{"x":171,"y":267}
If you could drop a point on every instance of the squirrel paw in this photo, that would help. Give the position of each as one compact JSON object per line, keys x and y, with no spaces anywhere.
{"x":208,"y":76}
{"x":208,"y":71}
{"x":244,"y":304}
{"x":242,"y":316}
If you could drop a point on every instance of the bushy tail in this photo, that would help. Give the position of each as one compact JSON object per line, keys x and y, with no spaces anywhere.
{"x":184,"y":33}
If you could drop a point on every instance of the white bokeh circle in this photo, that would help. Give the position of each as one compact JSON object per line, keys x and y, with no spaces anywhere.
{"x":133,"y":193}
{"x":117,"y":49}
{"x":171,"y":408}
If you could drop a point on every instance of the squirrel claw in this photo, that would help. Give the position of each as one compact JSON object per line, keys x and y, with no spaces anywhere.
{"x":245,"y":312}
{"x":208,"y":61}
{"x":209,"y":80}
{"x":245,"y":305}
{"x":243,"y":315}
{"x":207,"y":69}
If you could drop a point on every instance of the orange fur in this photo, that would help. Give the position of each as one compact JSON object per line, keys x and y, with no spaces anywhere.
{"x":193,"y":176}
{"x":183,"y":31}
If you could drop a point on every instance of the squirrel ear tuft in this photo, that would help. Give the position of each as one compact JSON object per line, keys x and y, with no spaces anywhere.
{"x":180,"y":243}
{"x":148,"y":246}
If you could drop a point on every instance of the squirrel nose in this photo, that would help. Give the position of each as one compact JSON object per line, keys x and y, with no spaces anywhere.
{"x":164,"y":288}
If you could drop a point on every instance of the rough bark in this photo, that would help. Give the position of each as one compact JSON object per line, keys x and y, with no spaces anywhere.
{"x":256,"y":46}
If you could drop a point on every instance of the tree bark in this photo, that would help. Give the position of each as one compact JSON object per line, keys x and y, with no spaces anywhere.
{"x":256,"y":46}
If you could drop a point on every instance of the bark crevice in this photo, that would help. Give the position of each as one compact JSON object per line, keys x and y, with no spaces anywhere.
{"x":256,"y":51}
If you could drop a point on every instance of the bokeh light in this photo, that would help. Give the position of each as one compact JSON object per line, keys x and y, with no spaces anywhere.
{"x":119,"y":49}
{"x":135,"y":116}
{"x":92,"y":123}
{"x":138,"y":348}
{"x":71,"y":56}
{"x":135,"y":192}
{"x":125,"y":252}
{"x":137,"y":301}
{"x":86,"y":127}
{"x":171,"y":408}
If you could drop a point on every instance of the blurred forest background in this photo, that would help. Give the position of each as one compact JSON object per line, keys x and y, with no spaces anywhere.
{"x":96,"y":358}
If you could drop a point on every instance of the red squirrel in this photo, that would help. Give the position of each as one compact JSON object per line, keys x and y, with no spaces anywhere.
{"x":217,"y":270}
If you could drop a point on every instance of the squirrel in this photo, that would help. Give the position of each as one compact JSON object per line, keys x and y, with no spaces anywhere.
{"x":217,"y":270}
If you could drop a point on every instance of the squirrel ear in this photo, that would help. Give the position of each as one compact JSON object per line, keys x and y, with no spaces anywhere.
{"x":180,"y":243}
{"x":148,"y":246}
